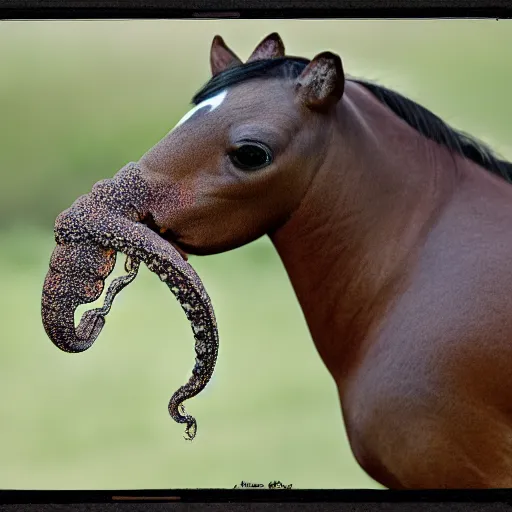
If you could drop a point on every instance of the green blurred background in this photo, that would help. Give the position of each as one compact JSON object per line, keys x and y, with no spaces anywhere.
{"x":78,"y":100}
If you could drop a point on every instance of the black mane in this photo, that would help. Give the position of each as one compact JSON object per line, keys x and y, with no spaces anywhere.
{"x":283,"y":67}
{"x":416,"y":116}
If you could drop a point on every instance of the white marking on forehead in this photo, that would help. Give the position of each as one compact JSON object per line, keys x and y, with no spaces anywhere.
{"x":212,"y":102}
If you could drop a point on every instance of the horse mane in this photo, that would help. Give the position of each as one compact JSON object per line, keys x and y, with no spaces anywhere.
{"x":416,"y":116}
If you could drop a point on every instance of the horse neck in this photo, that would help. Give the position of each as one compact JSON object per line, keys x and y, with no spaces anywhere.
{"x":349,"y":246}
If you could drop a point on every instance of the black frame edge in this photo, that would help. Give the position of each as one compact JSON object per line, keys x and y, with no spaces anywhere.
{"x":253,"y":9}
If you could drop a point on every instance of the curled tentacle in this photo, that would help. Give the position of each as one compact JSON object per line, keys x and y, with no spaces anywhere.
{"x":76,"y":276}
{"x":99,"y":314}
{"x":88,"y":234}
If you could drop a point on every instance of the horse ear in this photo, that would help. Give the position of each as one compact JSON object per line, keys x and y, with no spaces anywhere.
{"x":221,"y":57}
{"x":322,"y":82}
{"x":270,"y":48}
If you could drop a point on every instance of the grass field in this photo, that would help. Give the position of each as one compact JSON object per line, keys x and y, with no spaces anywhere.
{"x":78,"y":100}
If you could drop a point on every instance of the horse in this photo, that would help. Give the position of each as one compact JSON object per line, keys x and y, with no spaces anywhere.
{"x":394,"y":230}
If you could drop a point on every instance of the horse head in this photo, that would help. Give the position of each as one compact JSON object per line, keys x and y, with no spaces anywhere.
{"x":233,"y":169}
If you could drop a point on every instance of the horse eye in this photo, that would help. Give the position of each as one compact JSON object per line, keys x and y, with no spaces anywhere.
{"x":251,"y":156}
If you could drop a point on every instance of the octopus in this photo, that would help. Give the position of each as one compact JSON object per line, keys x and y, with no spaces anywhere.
{"x":89,"y":235}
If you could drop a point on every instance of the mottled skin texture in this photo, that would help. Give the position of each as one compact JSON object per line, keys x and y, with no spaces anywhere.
{"x":88,"y":235}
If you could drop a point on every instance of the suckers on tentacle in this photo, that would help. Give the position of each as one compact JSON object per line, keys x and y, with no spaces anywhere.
{"x":88,"y":234}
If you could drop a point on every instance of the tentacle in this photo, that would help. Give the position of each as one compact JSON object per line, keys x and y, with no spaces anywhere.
{"x":88,"y":234}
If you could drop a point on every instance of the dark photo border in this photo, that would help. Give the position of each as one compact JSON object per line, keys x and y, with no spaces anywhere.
{"x":255,"y":9}
{"x":246,"y":499}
